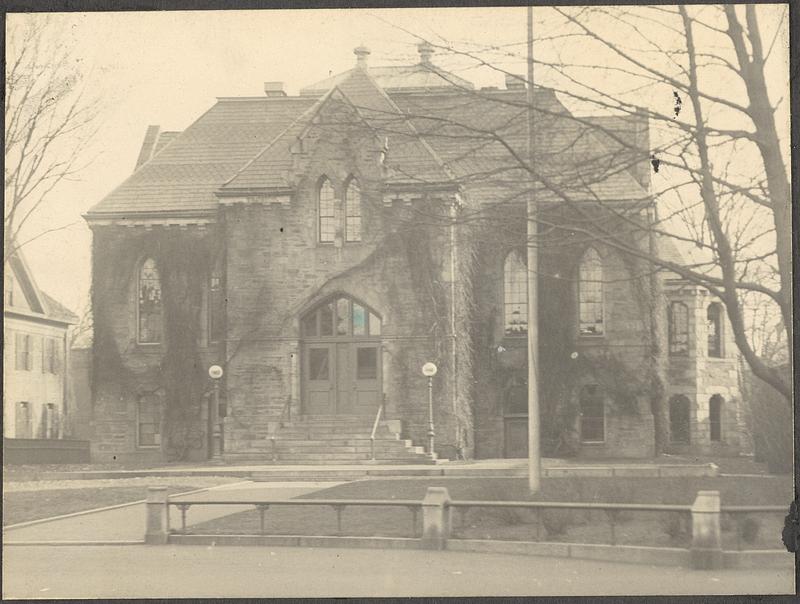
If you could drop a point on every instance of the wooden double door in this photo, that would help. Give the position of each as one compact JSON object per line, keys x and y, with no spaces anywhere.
{"x":341,"y":377}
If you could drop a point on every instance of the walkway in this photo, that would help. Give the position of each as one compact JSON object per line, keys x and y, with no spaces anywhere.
{"x":128,"y":523}
{"x":211,"y":572}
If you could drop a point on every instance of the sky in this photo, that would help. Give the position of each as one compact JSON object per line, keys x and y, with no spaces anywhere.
{"x":167,"y":68}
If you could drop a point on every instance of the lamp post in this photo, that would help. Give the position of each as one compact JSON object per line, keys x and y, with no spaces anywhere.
{"x":429,"y":370}
{"x":214,"y":427}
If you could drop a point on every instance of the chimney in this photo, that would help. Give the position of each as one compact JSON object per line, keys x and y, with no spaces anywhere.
{"x":274,"y":89}
{"x":515,"y":82}
{"x":426,"y":51}
{"x":361,"y":52}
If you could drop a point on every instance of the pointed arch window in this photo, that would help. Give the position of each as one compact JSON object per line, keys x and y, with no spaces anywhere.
{"x":352,"y":205}
{"x":678,"y":328}
{"x":150,"y":306}
{"x":714,"y":321}
{"x":515,"y":294}
{"x":327,"y":211}
{"x":216,"y":306}
{"x":590,"y":294}
{"x":340,"y":317}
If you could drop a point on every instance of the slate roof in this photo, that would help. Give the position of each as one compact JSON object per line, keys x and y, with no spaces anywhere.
{"x":419,"y":76}
{"x":184,"y":174}
{"x":434,"y":137}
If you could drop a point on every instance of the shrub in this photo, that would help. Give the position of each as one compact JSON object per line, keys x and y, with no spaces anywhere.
{"x":750,"y":529}
{"x":556,"y":522}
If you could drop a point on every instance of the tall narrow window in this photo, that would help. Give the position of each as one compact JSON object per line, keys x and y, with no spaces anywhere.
{"x":148,"y":421}
{"x":590,"y":293}
{"x":150,"y":304}
{"x":678,"y":328}
{"x":352,"y":204}
{"x":216,"y":307}
{"x":593,"y":414}
{"x":715,"y":418}
{"x":327,"y":212}
{"x":679,"y":419}
{"x":515,"y":295}
{"x":714,"y":318}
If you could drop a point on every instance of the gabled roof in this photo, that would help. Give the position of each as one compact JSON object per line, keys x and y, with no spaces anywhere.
{"x":183,"y":174}
{"x":409,"y":158}
{"x":38,"y":304}
{"x":481,"y":137}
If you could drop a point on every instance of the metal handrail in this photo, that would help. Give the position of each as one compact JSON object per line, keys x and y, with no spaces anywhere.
{"x":374,"y":430}
{"x":640,"y":507}
{"x":286,"y":409}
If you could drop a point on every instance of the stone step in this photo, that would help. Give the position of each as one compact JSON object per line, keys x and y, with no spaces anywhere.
{"x":262,"y":460}
{"x":316,"y":435}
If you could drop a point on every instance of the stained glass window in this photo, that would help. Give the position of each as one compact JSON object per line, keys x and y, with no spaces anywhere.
{"x":352,"y":227}
{"x":678,"y":328}
{"x":150,"y":304}
{"x":590,"y":293}
{"x":714,"y":321}
{"x":327,"y":212}
{"x":515,"y":294}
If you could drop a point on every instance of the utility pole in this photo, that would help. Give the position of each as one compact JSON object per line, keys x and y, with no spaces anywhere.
{"x":534,"y":457}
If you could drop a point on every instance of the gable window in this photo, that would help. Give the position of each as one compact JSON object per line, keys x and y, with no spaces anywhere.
{"x":678,"y":328}
{"x":679,"y":419}
{"x":327,"y":212}
{"x":515,"y":295}
{"x":714,"y":322}
{"x":715,"y":418}
{"x":23,"y":359}
{"x":148,"y":421}
{"x":592,"y":414}
{"x":590,"y":294}
{"x":150,"y":307}
{"x":216,"y":308}
{"x":352,"y":205}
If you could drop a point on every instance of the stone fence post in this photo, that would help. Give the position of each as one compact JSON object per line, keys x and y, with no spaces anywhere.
{"x":157,"y":519}
{"x":436,"y":515}
{"x":706,"y":551}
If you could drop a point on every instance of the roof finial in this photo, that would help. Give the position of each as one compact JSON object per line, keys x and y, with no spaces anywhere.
{"x":362,"y":52}
{"x":426,"y":51}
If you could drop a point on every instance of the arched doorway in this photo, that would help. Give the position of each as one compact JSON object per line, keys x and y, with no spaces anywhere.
{"x":341,"y":358}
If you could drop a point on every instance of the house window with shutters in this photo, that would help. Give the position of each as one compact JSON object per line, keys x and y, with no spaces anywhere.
{"x":150,"y":307}
{"x":590,"y":294}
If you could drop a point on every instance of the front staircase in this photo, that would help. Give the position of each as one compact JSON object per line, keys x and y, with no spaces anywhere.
{"x":332,"y":440}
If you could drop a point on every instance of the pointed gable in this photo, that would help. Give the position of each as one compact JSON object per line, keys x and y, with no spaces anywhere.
{"x":23,"y":296}
{"x":409,"y":158}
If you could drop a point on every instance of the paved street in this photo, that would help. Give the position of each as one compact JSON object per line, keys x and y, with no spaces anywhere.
{"x":141,"y":571}
{"x":128,"y":523}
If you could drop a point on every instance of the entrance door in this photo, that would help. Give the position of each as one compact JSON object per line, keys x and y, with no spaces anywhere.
{"x":341,"y":359}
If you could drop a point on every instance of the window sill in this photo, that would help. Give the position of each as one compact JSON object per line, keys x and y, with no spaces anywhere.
{"x":593,"y":443}
{"x":148,"y":447}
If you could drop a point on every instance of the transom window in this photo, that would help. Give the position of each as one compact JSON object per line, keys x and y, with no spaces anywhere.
{"x":327,"y":212}
{"x":340,"y":317}
{"x":714,"y":319}
{"x":150,"y":319}
{"x":593,"y":414}
{"x":515,"y":294}
{"x":590,"y":294}
{"x":678,"y":328}
{"x":352,"y":203}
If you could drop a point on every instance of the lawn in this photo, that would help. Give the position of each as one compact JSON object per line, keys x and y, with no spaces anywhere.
{"x":639,"y":528}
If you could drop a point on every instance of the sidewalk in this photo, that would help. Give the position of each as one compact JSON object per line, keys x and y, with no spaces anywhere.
{"x":127,"y":523}
{"x":186,"y":571}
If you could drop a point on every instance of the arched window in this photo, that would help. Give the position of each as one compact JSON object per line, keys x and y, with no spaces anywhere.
{"x":150,"y":311}
{"x":715,"y":417}
{"x":515,"y":294}
{"x":327,"y":211}
{"x":340,"y":317}
{"x":590,"y":293}
{"x":679,"y":419}
{"x":714,"y":322}
{"x":593,"y":414}
{"x":216,"y":306}
{"x":352,"y":204}
{"x":678,"y":328}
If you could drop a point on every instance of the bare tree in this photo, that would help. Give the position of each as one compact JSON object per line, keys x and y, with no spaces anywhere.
{"x":721,"y":189}
{"x":49,"y":123}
